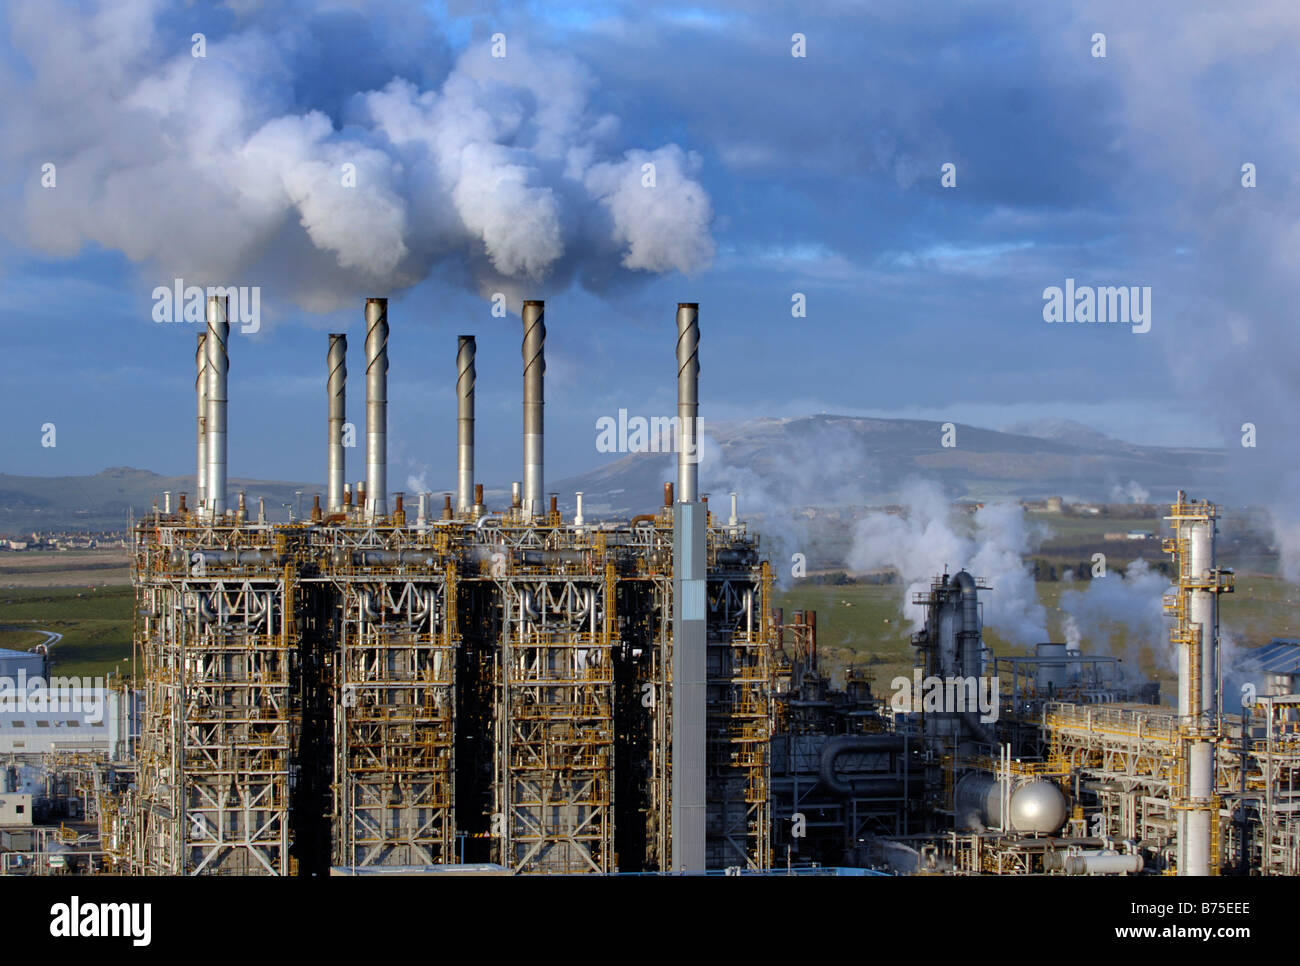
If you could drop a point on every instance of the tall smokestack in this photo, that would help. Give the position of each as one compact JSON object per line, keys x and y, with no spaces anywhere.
{"x":534,"y":351}
{"x":465,"y":424}
{"x":337,"y":366}
{"x":690,"y":582}
{"x":201,"y":391}
{"x":376,"y":408}
{"x":688,"y":400}
{"x":217,"y":362}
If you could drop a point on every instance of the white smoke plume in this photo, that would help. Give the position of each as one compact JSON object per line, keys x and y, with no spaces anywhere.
{"x":1134,"y":492}
{"x":234,"y":167}
{"x":919,"y":544}
{"x":1124,"y":605}
{"x":779,"y":495}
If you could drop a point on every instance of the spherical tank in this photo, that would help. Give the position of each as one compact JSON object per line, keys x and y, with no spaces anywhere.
{"x":1038,"y":806}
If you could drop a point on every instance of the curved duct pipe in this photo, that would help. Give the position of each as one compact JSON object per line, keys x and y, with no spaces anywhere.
{"x":367,"y":603}
{"x":847,"y":744}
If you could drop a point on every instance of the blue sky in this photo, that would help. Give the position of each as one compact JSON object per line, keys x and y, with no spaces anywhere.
{"x":778,"y":175}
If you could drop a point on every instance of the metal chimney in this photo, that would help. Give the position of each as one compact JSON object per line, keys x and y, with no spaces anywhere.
{"x":534,"y":317}
{"x":465,"y":424}
{"x":201,"y":391}
{"x":376,"y":408}
{"x":688,"y":400}
{"x":214,"y":425}
{"x":690,"y":582}
{"x":336,"y":388}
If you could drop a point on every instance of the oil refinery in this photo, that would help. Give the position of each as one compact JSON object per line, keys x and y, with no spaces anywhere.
{"x":381,"y":687}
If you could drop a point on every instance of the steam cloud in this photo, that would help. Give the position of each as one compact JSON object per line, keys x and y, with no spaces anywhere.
{"x":918,"y":544}
{"x":504,"y":173}
{"x":1131,"y":600}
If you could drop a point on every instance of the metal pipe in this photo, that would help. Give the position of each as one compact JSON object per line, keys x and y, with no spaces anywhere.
{"x":217,"y":361}
{"x":534,"y":353}
{"x":376,"y":408}
{"x":577,"y":513}
{"x":337,"y":367}
{"x":201,"y":391}
{"x":688,"y":400}
{"x":465,"y":378}
{"x":734,"y":519}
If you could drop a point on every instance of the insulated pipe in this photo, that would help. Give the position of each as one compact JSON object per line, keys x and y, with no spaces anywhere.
{"x":217,"y":361}
{"x":465,"y":377}
{"x":337,"y":366}
{"x":376,"y":408}
{"x":201,"y":391}
{"x":856,"y":744}
{"x":1093,"y":863}
{"x":534,"y":353}
{"x":688,"y":400}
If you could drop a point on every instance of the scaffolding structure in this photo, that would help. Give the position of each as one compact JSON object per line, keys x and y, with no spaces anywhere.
{"x":355,"y":693}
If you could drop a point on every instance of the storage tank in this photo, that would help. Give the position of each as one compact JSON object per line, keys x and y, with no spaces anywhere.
{"x":1037,"y":806}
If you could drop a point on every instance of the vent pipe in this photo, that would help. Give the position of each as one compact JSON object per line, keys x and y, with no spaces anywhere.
{"x":688,"y":400}
{"x":534,"y":317}
{"x":465,"y":424}
{"x":217,"y":361}
{"x":336,"y":388}
{"x":201,"y":391}
{"x":577,"y":513}
{"x":376,"y":505}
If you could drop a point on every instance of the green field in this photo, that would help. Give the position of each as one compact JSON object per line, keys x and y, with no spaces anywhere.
{"x":95,"y":624}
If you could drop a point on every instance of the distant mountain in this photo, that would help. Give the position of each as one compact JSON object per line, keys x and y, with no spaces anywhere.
{"x":104,"y":501}
{"x":774,"y":464}
{"x":828,"y":460}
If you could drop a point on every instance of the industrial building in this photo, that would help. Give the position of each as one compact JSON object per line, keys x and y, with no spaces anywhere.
{"x":472,"y":688}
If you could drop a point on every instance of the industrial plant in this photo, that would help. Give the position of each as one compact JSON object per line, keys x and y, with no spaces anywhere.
{"x":390,"y":685}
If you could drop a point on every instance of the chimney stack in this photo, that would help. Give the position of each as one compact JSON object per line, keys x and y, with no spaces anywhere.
{"x":336,"y":388}
{"x":217,"y":363}
{"x":465,"y":377}
{"x":201,"y":391}
{"x":688,"y":400}
{"x":376,"y":505}
{"x":534,"y":352}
